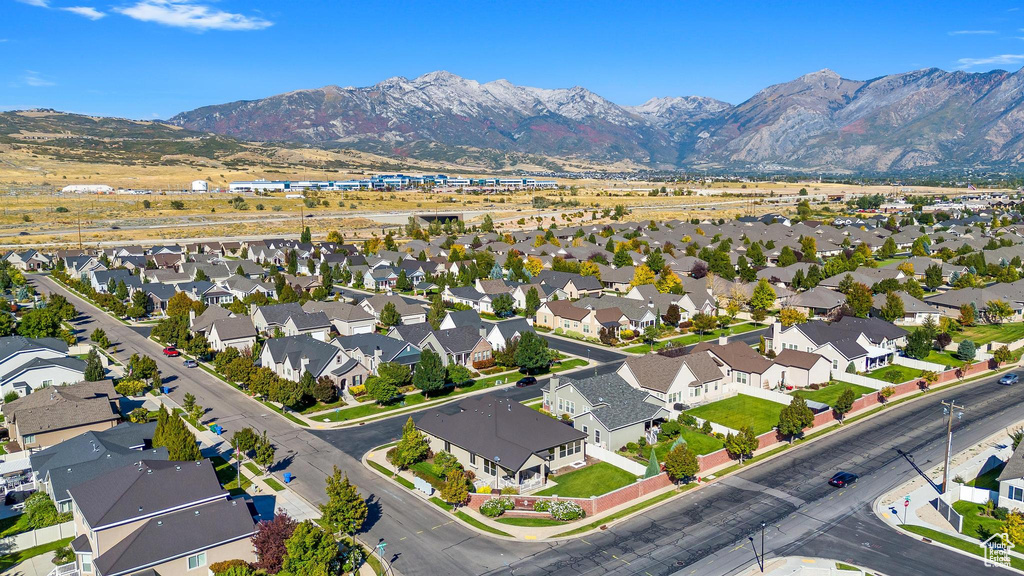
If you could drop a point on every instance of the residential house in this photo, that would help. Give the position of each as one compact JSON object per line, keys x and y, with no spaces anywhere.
{"x":867,"y":343}
{"x":468,"y":296}
{"x":237,"y":332}
{"x":801,"y":369}
{"x":347,"y":319}
{"x":465,"y":345}
{"x":156,"y":517}
{"x":202,"y":323}
{"x":502,"y":333}
{"x":677,"y":381}
{"x":605,"y":408}
{"x":27,"y":261}
{"x":315,"y":324}
{"x":574,"y":285}
{"x":41,"y":373}
{"x":915,"y":312}
{"x":503,"y":442}
{"x":53,"y":415}
{"x":63,"y":466}
{"x":292,"y":356}
{"x":564,"y":315}
{"x":371,"y":350}
{"x":456,"y":318}
{"x":544,"y":293}
{"x":409,"y":313}
{"x":818,"y":301}
{"x":380,"y":279}
{"x":1011,"y":481}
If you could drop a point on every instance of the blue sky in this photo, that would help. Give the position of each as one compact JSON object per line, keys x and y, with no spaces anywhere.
{"x":154,"y":58}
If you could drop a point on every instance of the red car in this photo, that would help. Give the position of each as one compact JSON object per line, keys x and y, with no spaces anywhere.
{"x":171,"y":352}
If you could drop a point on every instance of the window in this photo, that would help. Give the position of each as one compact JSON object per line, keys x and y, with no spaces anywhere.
{"x":741,"y":377}
{"x":570,"y":407}
{"x":1016,"y":494}
{"x":584,"y":429}
{"x":47,"y":383}
{"x":447,"y":446}
{"x":472,"y":459}
{"x":490,"y":468}
{"x":597,"y":436}
{"x":197,"y":561}
{"x":835,"y":364}
{"x":29,"y":438}
{"x":86,"y":560}
{"x":560,"y":405}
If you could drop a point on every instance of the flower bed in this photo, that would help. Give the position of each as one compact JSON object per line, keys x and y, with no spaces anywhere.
{"x":496,"y":506}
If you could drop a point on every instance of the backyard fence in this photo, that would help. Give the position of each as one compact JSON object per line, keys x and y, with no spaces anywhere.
{"x":605,"y":455}
{"x":37,"y":537}
{"x":918,"y":364}
{"x":860,"y":380}
{"x":770,"y":395}
{"x":590,"y":506}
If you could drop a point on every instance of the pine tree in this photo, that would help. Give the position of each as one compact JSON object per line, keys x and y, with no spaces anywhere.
{"x":94,"y":371}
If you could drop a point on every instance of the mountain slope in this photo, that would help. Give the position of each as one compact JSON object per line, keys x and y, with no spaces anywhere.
{"x":821,"y":121}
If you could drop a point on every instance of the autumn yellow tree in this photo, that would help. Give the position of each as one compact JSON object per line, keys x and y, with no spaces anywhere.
{"x":642,"y":275}
{"x":456,"y":253}
{"x":668,"y":281}
{"x":539,"y":241}
{"x":588,"y":268}
{"x":791,"y":316}
{"x":907,"y":268}
{"x":533,"y":265}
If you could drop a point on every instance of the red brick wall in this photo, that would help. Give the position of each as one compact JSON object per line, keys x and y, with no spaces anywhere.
{"x":590,"y":505}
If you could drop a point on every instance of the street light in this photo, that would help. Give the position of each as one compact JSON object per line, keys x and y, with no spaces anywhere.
{"x":762,"y":547}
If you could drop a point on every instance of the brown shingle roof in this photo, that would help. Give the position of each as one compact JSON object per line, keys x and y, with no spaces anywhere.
{"x":59,"y":407}
{"x":737,"y":355}
{"x":566,"y":309}
{"x":654,"y":371}
{"x":797,"y":359}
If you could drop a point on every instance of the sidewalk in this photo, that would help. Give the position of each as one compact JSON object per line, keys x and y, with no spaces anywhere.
{"x":792,"y":566}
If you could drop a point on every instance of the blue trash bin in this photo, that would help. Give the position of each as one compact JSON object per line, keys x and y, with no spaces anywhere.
{"x":165,"y":390}
{"x":287,"y":477}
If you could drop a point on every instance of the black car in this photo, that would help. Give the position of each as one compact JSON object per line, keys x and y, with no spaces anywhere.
{"x":842,"y":479}
{"x":526,"y":381}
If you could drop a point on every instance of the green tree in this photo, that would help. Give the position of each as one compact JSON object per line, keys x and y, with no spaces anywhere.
{"x":933,"y":277}
{"x":703,"y":323}
{"x":622,"y":256}
{"x":311,"y":551}
{"x":681,"y":463}
{"x":306,"y":237}
{"x":7,"y":324}
{"x":763,"y":296}
{"x":345,"y":510}
{"x":503,"y":305}
{"x":172,"y":434}
{"x":245,"y":440}
{"x":1002,"y":355}
{"x":389,"y":315}
{"x":740,"y":445}
{"x":892,"y":310}
{"x":265,"y":452}
{"x":888,"y":249}
{"x":756,"y":255}
{"x":860,"y":300}
{"x":437,"y":311}
{"x":966,"y":351}
{"x":94,"y":371}
{"x":844,"y":403}
{"x":786,"y":257}
{"x":794,"y":418}
{"x":919,"y":345}
{"x":997,"y":311}
{"x":455,"y":490}
{"x":403,"y":284}
{"x":532,"y":353}
{"x":381,"y":390}
{"x":430,"y":372}
{"x":411,"y":448}
{"x":532,"y":301}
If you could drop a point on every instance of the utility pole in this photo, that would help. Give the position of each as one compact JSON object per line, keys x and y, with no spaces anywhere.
{"x":948,"y":408}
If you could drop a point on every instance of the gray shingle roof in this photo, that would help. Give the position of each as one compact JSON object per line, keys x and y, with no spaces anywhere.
{"x":613,"y":401}
{"x":294,"y":348}
{"x":60,"y":407}
{"x":74,"y":364}
{"x":135,"y":491}
{"x":177,"y":535}
{"x":234,"y":328}
{"x":499,"y":429}
{"x":11,"y":345}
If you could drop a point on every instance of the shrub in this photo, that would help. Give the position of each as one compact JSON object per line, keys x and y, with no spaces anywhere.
{"x":542,"y":505}
{"x":510,"y":490}
{"x":357,"y":390}
{"x":687,"y":420}
{"x":626,"y":334}
{"x":130,"y":387}
{"x":496,"y":507}
{"x":483,"y":364}
{"x":219,"y":567}
{"x":1000,"y":513}
{"x":565,"y":511}
{"x":486,"y":489}
{"x":631,"y":447}
{"x":11,"y":397}
{"x":669,"y":429}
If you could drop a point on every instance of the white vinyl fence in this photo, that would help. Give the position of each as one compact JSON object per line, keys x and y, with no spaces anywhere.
{"x":860,"y":380}
{"x":763,"y":394}
{"x":918,"y":364}
{"x":947,"y":512}
{"x":617,"y":460}
{"x":37,"y":537}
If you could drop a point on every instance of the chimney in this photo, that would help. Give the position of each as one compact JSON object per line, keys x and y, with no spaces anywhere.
{"x":303,"y":362}
{"x":650,"y":303}
{"x":554,"y":382}
{"x":377,"y":353}
{"x":483,"y":331}
{"x":191,"y":315}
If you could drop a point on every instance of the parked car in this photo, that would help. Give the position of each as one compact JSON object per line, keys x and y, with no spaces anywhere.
{"x":171,"y":352}
{"x":526,"y":381}
{"x":190,"y":363}
{"x":843,"y":479}
{"x":1009,"y":379}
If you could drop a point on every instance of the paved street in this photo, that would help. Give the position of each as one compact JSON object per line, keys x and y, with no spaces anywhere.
{"x":702,"y":532}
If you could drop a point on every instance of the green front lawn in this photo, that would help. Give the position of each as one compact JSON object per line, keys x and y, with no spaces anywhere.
{"x":740,"y":411}
{"x":987,"y":480}
{"x":953,"y":541}
{"x":977,"y":525}
{"x":227,"y":475}
{"x":985,"y":333}
{"x":568,"y":365}
{"x":899,"y":373}
{"x":944,"y":358}
{"x":830,"y":394}
{"x":594,"y":480}
{"x":698,"y":442}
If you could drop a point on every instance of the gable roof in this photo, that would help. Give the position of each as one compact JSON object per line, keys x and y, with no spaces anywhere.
{"x":613,"y":401}
{"x":204,"y":321}
{"x":295,"y":348}
{"x":464,"y":317}
{"x":498,"y":429}
{"x":797,"y":359}
{"x":11,"y":345}
{"x":737,"y":355}
{"x":234,"y":328}
{"x":340,"y":311}
{"x":144,"y":489}
{"x":60,"y":407}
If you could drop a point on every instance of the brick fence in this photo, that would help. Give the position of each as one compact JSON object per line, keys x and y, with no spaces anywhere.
{"x":721,"y":457}
{"x":591,"y":506}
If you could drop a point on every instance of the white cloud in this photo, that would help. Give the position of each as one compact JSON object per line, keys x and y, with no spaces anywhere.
{"x":971,"y":32}
{"x":85,"y":11}
{"x":999,"y":60}
{"x":38,"y":3}
{"x":36,"y":80}
{"x":186,"y":14}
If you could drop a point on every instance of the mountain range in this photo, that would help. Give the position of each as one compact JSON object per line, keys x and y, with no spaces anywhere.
{"x":916,"y":121}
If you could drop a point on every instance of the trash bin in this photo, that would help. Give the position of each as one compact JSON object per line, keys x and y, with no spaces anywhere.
{"x":165,"y":389}
{"x":287,"y":477}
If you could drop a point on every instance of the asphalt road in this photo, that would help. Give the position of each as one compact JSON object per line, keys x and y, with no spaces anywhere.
{"x":702,"y":532}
